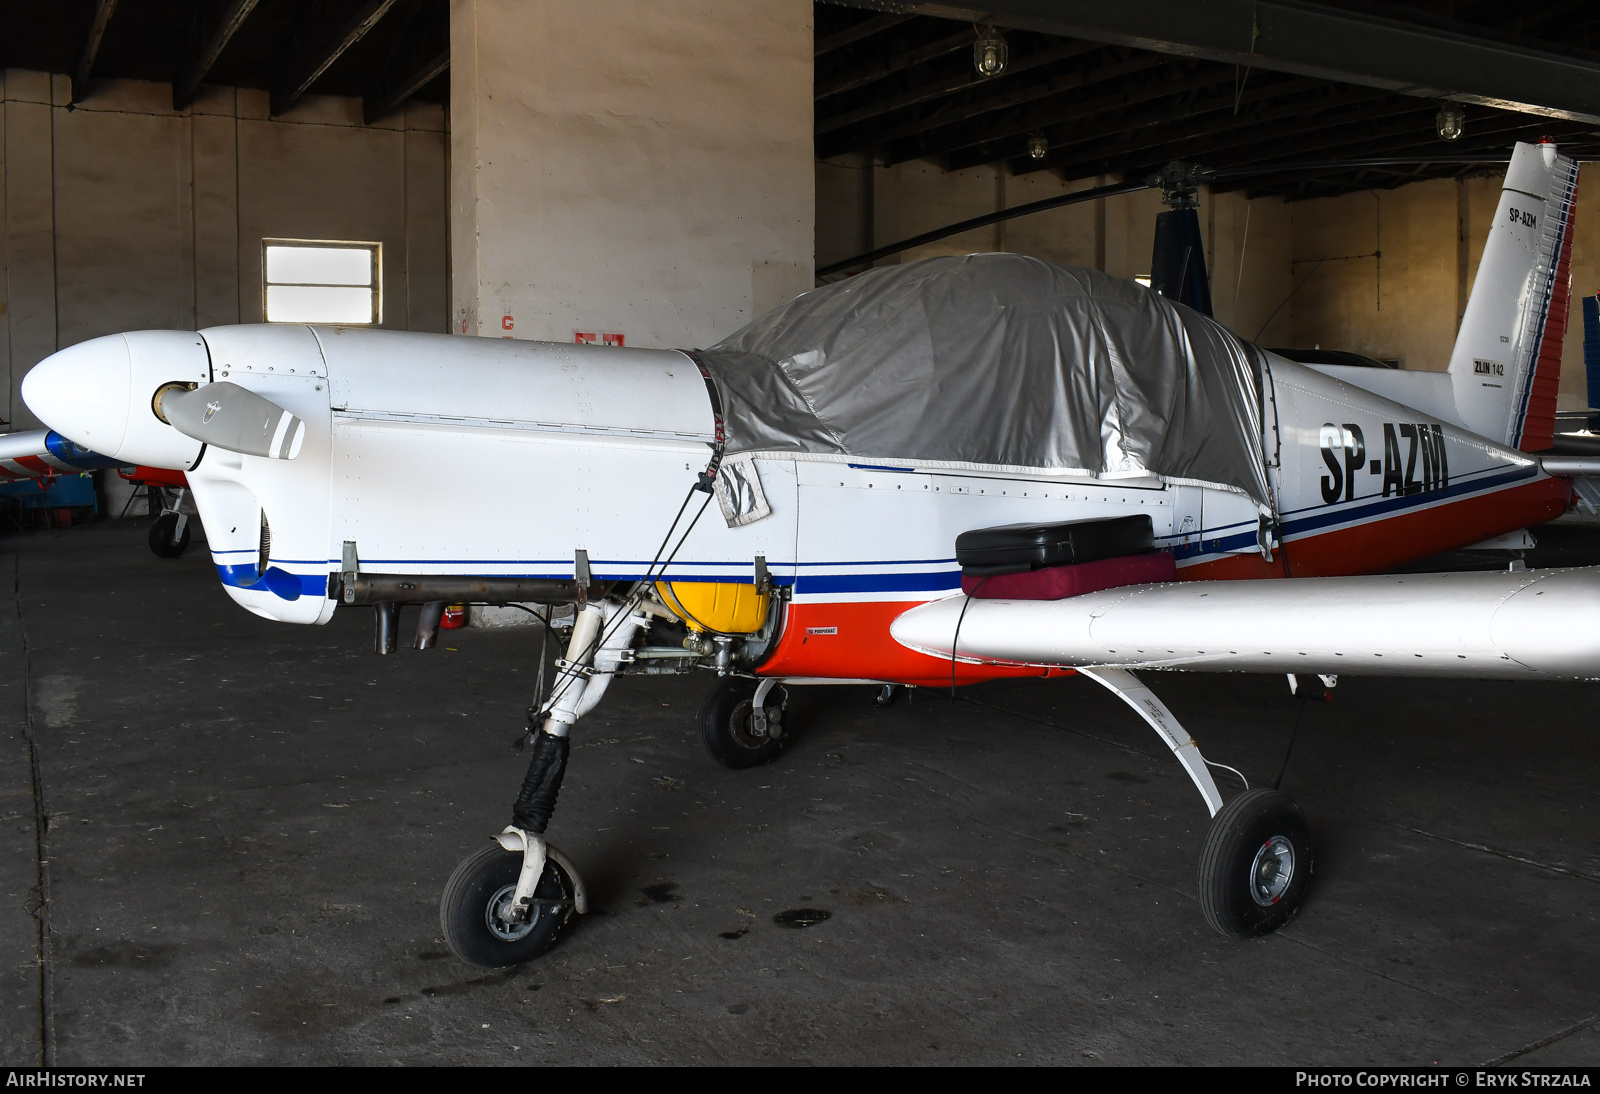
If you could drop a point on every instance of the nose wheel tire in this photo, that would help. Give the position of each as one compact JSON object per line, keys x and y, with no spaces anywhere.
{"x":472,"y":910}
{"x":732,"y":734}
{"x":1256,"y":864}
{"x":162,"y":544}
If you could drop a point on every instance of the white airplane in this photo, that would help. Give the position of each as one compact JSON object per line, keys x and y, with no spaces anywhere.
{"x":1112,"y":478}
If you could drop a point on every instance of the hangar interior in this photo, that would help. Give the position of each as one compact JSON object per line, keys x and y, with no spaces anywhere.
{"x":658,"y":176}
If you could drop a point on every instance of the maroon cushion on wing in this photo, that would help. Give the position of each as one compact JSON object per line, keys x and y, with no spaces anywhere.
{"x":1059,"y":582}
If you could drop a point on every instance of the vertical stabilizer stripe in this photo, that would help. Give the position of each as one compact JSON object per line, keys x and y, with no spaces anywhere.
{"x":1536,"y":418}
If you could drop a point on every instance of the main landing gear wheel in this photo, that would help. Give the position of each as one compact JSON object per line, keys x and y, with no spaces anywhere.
{"x":1256,"y":864}
{"x":473,"y":906}
{"x":733,"y":735}
{"x":162,"y":543}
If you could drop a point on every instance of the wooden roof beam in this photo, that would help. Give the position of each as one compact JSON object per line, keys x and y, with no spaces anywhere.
{"x":1146,"y":134}
{"x":310,"y":55}
{"x":860,"y":75}
{"x":415,"y":58}
{"x":864,"y":29}
{"x":950,"y":85}
{"x":967,"y":108}
{"x":216,"y":22}
{"x":1173,"y":80}
{"x":91,"y":48}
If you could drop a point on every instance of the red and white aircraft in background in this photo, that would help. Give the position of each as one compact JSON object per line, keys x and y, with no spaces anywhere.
{"x":43,"y":455}
{"x":311,"y":451}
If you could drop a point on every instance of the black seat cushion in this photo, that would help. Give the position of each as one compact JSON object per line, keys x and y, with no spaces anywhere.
{"x":1013,"y":548}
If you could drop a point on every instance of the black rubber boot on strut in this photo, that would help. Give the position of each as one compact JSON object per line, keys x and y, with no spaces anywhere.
{"x":537,"y":801}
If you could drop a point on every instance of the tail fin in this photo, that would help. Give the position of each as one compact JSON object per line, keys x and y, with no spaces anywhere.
{"x":1506,"y":365}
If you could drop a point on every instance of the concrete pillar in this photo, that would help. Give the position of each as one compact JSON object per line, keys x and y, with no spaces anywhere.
{"x":642,"y":170}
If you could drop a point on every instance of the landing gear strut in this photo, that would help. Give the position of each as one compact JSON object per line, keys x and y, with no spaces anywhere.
{"x":505,"y":904}
{"x":1256,"y":864}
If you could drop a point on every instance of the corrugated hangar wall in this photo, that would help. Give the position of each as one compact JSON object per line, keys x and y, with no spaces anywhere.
{"x":120,"y":213}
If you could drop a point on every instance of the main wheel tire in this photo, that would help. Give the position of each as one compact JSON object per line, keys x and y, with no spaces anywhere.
{"x":480,"y":889}
{"x":726,"y":727}
{"x":161,"y":541}
{"x":1256,"y":864}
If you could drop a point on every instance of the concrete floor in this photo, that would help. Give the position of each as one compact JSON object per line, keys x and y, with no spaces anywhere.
{"x":248,"y":825}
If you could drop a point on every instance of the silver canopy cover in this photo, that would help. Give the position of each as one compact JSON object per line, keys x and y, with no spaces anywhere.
{"x":997,"y":362}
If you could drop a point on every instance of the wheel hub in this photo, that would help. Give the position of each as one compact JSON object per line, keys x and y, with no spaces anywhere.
{"x":750,"y":732}
{"x":503,"y":928}
{"x":1272,"y":871}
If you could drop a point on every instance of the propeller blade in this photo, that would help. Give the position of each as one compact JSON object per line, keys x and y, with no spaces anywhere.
{"x":232,"y":417}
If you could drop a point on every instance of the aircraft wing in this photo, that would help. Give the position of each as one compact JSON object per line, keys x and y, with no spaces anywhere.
{"x":1513,"y":625}
{"x":39,"y":453}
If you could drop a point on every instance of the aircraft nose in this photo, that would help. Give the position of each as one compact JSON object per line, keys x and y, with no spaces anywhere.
{"x":83,"y":392}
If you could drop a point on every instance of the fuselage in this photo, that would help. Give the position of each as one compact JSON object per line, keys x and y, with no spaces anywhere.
{"x":442,"y":455}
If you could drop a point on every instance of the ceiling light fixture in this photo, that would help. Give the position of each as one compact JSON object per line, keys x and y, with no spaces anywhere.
{"x":990,"y":52}
{"x":1038,"y":146}
{"x":1450,"y":121}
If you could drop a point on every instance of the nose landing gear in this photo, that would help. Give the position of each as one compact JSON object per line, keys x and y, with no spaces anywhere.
{"x":169,"y":535}
{"x":506,"y":903}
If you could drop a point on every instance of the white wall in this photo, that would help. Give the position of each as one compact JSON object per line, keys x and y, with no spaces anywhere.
{"x":644,"y":169}
{"x":123,"y":214}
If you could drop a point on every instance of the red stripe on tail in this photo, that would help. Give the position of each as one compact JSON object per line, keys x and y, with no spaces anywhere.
{"x":1539,"y":423}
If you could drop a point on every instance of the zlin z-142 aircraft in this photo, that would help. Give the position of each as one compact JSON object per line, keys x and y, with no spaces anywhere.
{"x":931,"y":474}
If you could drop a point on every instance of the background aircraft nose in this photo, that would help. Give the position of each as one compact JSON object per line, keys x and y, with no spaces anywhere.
{"x":83,"y":392}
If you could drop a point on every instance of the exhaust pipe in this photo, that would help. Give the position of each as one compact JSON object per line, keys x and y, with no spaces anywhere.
{"x":386,"y":627}
{"x":428,"y":625}
{"x":449,"y":589}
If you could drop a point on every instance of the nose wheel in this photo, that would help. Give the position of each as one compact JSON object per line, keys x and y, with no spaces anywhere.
{"x":1256,"y":864}
{"x":476,"y":913}
{"x":169,"y":535}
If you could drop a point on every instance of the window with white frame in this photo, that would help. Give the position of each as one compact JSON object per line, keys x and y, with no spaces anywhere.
{"x":322,"y":281}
